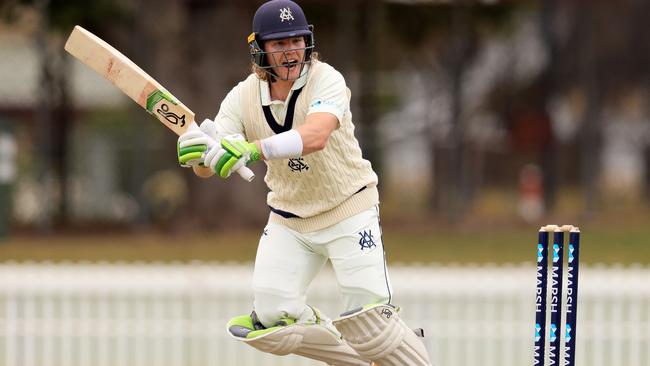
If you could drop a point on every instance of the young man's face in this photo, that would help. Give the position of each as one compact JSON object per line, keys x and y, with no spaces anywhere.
{"x":285,"y":56}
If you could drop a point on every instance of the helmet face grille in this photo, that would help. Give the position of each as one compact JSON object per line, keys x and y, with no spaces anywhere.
{"x":259,"y":57}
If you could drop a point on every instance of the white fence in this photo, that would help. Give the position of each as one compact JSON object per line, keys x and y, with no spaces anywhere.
{"x":168,"y":315}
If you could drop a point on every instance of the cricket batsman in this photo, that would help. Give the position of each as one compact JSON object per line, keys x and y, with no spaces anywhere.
{"x":293,"y":113}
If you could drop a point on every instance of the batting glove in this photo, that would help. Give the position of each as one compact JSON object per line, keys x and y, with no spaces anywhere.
{"x":234,"y":153}
{"x":192,"y":145}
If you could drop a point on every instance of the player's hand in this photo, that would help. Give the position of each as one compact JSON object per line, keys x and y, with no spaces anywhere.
{"x":192,"y":145}
{"x":234,"y":153}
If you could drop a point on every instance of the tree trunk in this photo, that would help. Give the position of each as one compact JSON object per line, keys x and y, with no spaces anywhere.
{"x":457,"y":185}
{"x":549,"y":154}
{"x":62,"y":120}
{"x":369,"y":35}
{"x":43,"y":118}
{"x":591,"y":128}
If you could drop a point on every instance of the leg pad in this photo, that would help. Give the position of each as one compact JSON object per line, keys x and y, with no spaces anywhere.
{"x":376,"y":332}
{"x":312,"y":340}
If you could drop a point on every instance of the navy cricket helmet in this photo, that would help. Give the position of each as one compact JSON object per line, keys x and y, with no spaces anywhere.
{"x":277,"y":19}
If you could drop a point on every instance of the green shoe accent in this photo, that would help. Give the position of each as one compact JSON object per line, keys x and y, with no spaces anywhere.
{"x":284,"y":322}
{"x":245,"y":321}
{"x":242,"y":321}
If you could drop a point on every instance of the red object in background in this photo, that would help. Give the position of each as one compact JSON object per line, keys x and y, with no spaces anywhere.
{"x":531,"y":193}
{"x":531,"y":131}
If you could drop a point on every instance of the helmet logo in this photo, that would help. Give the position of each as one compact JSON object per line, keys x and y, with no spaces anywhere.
{"x":285,"y":14}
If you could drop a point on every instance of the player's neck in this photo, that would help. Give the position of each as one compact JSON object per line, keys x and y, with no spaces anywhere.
{"x":280,"y":89}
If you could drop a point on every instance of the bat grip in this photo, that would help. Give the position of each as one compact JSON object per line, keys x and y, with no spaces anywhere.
{"x":246,"y":174}
{"x":205,"y":172}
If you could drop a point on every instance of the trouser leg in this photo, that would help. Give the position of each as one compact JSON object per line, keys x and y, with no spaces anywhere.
{"x":284,"y":268}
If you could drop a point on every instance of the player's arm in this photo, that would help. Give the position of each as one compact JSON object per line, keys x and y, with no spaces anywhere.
{"x":316,"y":131}
{"x":229,"y":120}
{"x":310,"y":137}
{"x":329,"y":103}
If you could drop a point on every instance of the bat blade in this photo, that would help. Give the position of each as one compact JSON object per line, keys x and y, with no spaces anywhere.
{"x":111,"y":64}
{"x":129,"y":78}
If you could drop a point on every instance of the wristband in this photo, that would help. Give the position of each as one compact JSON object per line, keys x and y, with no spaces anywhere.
{"x":285,"y":145}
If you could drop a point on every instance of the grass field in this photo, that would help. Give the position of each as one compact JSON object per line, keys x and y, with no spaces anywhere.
{"x":621,"y":240}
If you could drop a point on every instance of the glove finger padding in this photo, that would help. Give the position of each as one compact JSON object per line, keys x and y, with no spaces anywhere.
{"x":217,"y":158}
{"x":201,"y":140}
{"x":191,"y":146}
{"x":191,"y":155}
{"x":225,"y":164}
{"x":213,"y":155}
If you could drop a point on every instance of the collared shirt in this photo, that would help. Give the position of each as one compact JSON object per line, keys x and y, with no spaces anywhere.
{"x":329,"y":97}
{"x":279,"y":107}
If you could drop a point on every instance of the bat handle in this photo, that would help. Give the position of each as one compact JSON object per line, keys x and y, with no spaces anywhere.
{"x":246,"y":174}
{"x":205,"y":172}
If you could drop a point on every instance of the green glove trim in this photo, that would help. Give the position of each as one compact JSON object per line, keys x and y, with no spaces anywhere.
{"x":192,"y":149}
{"x":238,"y":148}
{"x":225,"y":168}
{"x":255,"y":154}
{"x":183,"y":159}
{"x":193,"y":152}
{"x":251,"y":148}
{"x":222,"y":161}
{"x":235,"y":150}
{"x":231,"y":148}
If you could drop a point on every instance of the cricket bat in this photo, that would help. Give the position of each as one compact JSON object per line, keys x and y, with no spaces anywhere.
{"x":138,"y":85}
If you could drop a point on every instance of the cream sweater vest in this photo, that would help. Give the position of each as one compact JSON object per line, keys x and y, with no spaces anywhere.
{"x":326,"y":189}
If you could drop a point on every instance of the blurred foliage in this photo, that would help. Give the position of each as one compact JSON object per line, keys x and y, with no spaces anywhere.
{"x":62,"y":15}
{"x":413,"y":25}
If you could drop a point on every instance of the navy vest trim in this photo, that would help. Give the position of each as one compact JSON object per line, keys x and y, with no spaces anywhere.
{"x":289,"y":215}
{"x":285,"y":214}
{"x":288,"y":120}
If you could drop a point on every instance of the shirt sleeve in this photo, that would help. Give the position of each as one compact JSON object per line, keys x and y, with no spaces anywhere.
{"x":330,"y":95}
{"x":229,"y":118}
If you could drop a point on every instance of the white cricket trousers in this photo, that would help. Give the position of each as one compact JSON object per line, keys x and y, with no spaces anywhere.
{"x":287,"y":261}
